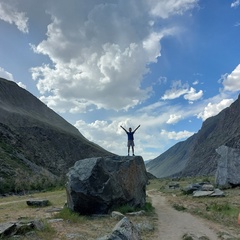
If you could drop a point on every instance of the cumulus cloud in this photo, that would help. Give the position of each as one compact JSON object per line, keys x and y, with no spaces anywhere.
{"x":100,"y":54}
{"x":213,"y":109}
{"x":176,"y":135}
{"x":109,"y":135}
{"x":11,"y":15}
{"x":231,"y":82}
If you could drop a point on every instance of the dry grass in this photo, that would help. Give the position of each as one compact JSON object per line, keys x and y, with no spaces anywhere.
{"x":15,"y":208}
{"x":223,"y":211}
{"x":220,"y":210}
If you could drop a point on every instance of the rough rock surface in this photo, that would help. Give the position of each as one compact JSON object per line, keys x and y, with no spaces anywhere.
{"x":228,"y":167}
{"x":124,"y":230}
{"x":38,"y":202}
{"x":19,"y":228}
{"x":98,"y":185}
{"x":196,"y":156}
{"x":37,"y":145}
{"x":202,"y":190}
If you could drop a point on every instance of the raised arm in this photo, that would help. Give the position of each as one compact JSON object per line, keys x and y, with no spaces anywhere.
{"x":137,"y":128}
{"x":123,"y":128}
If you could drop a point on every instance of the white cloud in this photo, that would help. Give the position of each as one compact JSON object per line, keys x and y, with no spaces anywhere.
{"x":102,"y":52}
{"x":231,"y":82}
{"x":178,"y":89}
{"x":166,"y":8}
{"x":22,"y":85}
{"x":109,"y":134}
{"x":174,"y":119}
{"x":235,"y":3}
{"x":195,"y":82}
{"x":11,"y":15}
{"x":5,"y":74}
{"x":192,"y":95}
{"x":176,"y":135}
{"x":213,"y":109}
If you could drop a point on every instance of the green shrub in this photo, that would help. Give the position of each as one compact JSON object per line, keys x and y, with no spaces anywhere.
{"x":128,"y":208}
{"x":179,"y":207}
{"x":217,"y":207}
{"x":148,"y":207}
{"x":69,"y":215}
{"x":125,"y":209}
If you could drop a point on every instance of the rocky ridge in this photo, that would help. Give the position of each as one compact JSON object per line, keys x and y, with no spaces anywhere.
{"x":197,"y":155}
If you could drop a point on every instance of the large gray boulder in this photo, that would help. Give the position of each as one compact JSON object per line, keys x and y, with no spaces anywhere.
{"x":98,"y":185}
{"x":228,"y":167}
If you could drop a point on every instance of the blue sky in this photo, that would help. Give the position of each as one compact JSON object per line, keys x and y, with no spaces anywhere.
{"x":164,"y":64}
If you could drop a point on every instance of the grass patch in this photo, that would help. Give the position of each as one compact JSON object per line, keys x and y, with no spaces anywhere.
{"x":128,"y":209}
{"x":68,"y":215}
{"x":125,"y":209}
{"x":148,"y":207}
{"x":178,"y":207}
{"x":47,"y":232}
{"x":219,"y":207}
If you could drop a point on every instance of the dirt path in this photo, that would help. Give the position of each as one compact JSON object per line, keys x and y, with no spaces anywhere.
{"x":6,"y":203}
{"x":173,"y":224}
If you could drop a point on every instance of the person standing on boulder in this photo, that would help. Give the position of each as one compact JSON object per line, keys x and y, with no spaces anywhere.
{"x":130,"y":142}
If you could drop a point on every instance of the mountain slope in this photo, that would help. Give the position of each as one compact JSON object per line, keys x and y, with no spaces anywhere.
{"x":34,"y":140}
{"x":197,"y":155}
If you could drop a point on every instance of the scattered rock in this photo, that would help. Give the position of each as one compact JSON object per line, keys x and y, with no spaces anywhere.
{"x":145,"y":226}
{"x":74,"y":236}
{"x":55,"y":220}
{"x":20,"y":228}
{"x":7,"y":229}
{"x":191,"y":236}
{"x":38,"y":224}
{"x":124,"y":230}
{"x":202,"y":193}
{"x":217,"y":193}
{"x":189,"y":189}
{"x":117,"y":215}
{"x":207,"y":187}
{"x":98,"y":185}
{"x":136,"y":213}
{"x":173,"y":185}
{"x":203,"y":190}
{"x":38,"y":203}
